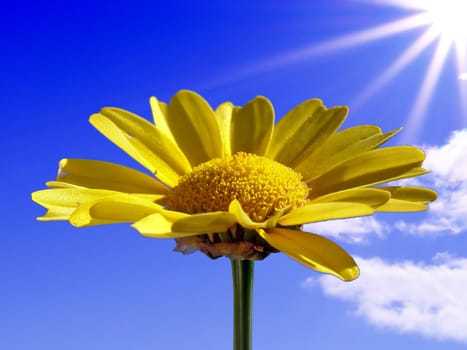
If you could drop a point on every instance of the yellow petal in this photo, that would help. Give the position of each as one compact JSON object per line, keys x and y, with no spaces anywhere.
{"x":235,"y":208}
{"x":303,"y":130}
{"x":408,"y":174}
{"x":313,"y":251}
{"x":61,"y":202}
{"x":290,"y":124}
{"x":368,"y":169}
{"x":148,"y":145}
{"x":62,"y":210}
{"x":156,"y":198}
{"x":109,"y":176}
{"x":194,"y":126}
{"x":369,"y":196}
{"x":59,"y":184}
{"x":411,"y":193}
{"x":407,"y":199}
{"x":343,"y":146}
{"x":398,"y":205}
{"x":315,"y":212}
{"x":69,"y":197}
{"x":159,"y":114}
{"x":114,"y":209}
{"x":224,"y":117}
{"x":56,"y":213}
{"x":205,"y":222}
{"x":252,"y":127}
{"x":158,"y":226}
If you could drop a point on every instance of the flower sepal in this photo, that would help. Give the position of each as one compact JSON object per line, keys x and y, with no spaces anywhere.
{"x":236,"y":243}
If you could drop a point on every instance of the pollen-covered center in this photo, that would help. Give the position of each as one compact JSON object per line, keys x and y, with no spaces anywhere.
{"x":261,"y":185}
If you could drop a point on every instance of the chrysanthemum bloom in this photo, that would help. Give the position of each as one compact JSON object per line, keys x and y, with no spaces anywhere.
{"x":228,"y":182}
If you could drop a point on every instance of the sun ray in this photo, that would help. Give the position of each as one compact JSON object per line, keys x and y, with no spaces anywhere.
{"x":364,"y":36}
{"x":435,"y":16}
{"x":396,"y":67}
{"x":461,"y":58}
{"x":305,"y":53}
{"x":418,"y":111}
{"x":447,"y":19}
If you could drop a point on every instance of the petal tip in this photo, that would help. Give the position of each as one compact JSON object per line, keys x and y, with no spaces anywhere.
{"x":350,"y":273}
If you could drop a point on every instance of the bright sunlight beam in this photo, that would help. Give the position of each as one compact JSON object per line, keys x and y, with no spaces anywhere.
{"x":443,"y":20}
{"x":394,"y":69}
{"x":448,"y":18}
{"x":418,"y":112}
{"x":447,"y":21}
{"x":309,"y":52}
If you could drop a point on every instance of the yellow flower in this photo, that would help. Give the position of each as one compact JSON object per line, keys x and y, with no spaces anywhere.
{"x":229,"y":182}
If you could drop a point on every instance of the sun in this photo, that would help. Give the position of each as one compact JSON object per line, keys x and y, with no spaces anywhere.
{"x":448,"y":18}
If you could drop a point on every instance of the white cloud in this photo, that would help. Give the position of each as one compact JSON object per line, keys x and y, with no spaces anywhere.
{"x":309,"y":282}
{"x":447,"y":161}
{"x":356,"y":230}
{"x":432,"y":227}
{"x":424,"y":299}
{"x":448,"y":214}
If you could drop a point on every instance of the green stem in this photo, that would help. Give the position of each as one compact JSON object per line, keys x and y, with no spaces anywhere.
{"x":242,"y":273}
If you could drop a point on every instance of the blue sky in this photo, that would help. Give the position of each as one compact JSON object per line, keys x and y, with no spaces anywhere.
{"x":110,"y":288}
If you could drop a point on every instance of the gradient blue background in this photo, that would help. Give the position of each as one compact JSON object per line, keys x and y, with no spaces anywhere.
{"x":110,"y":288}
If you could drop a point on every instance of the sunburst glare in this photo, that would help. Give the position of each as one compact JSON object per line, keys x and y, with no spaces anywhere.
{"x":444,"y":22}
{"x":447,"y":19}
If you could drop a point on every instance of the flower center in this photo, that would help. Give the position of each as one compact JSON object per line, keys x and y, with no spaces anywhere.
{"x":261,"y":185}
